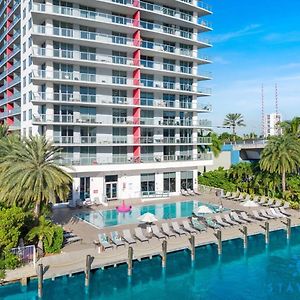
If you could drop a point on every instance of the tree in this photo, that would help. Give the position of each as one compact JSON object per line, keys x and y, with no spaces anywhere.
{"x":282,"y":156}
{"x":291,"y":127}
{"x":234,"y":120}
{"x":29,"y":174}
{"x":216,"y":144}
{"x":3,"y":130}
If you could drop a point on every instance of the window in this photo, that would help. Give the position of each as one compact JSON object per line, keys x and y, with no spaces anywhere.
{"x":87,"y":94}
{"x":24,"y":115}
{"x":30,"y":96}
{"x":24,"y":47}
{"x":169,"y":47}
{"x":169,"y":100}
{"x":24,"y":64}
{"x":186,"y":67}
{"x":30,"y":114}
{"x":63,"y":92}
{"x":169,"y":82}
{"x":185,"y":101}
{"x":119,"y":38}
{"x":186,"y":84}
{"x":24,"y":98}
{"x":84,"y":187}
{"x":147,"y":61}
{"x":147,"y":80}
{"x":119,"y":77}
{"x":147,"y":98}
{"x":24,"y":29}
{"x":88,"y":114}
{"x":169,"y":64}
{"x":87,"y":73}
{"x":87,"y":53}
{"x":187,"y":180}
{"x":87,"y":12}
{"x":186,"y":49}
{"x":147,"y":43}
{"x":147,"y":24}
{"x":170,"y":182}
{"x":148,"y":183}
{"x":119,"y":96}
{"x":119,"y":18}
{"x":186,"y":32}
{"x":119,"y":57}
{"x":62,"y":50}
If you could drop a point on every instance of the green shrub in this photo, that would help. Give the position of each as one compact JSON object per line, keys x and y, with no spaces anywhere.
{"x":57,"y":241}
{"x":2,"y":273}
{"x":11,"y":261}
{"x":295,"y":205}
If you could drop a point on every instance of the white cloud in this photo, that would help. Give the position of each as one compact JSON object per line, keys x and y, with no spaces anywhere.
{"x":248,"y":30}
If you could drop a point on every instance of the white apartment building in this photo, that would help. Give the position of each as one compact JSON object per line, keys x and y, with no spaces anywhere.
{"x":271,"y":125}
{"x":117,"y":84}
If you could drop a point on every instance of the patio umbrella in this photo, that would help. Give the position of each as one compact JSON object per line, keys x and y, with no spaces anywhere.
{"x":250,"y":203}
{"x":203,"y":209}
{"x":148,"y":218}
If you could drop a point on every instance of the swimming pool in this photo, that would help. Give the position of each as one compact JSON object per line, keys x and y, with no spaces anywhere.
{"x":173,"y":210}
{"x":260,"y":273}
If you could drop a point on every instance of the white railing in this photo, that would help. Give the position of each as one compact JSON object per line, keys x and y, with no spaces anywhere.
{"x":27,"y":254}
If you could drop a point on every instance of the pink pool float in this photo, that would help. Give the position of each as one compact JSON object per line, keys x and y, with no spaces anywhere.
{"x":123,"y":208}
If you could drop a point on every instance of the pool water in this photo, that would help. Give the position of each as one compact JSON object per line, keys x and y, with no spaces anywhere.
{"x":173,"y":210}
{"x":259,"y":273}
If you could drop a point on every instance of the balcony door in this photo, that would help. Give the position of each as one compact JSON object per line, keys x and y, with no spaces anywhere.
{"x":111,"y":187}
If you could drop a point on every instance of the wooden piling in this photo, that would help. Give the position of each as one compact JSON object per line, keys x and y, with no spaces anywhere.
{"x":219,"y":238}
{"x":245,"y":236}
{"x":88,"y":263}
{"x":164,"y":254}
{"x":267,"y":232}
{"x":129,"y":262}
{"x":288,"y":228}
{"x":40,"y":274}
{"x":192,"y":247}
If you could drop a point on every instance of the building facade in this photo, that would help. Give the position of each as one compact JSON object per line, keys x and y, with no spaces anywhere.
{"x":116,"y":84}
{"x":271,"y":126}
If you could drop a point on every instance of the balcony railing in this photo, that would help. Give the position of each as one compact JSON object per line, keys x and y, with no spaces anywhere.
{"x":128,"y":159}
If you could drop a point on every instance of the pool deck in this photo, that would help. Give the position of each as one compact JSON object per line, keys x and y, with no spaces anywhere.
{"x":73,"y":257}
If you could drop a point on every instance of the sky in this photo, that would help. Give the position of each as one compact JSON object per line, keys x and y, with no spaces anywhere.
{"x":254,"y":42}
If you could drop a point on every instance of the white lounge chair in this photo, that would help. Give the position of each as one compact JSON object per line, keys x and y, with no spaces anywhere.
{"x":283,"y":211}
{"x":228,"y":194}
{"x":248,"y":197}
{"x":256,"y":199}
{"x":262,"y":200}
{"x":128,"y":237}
{"x":191,"y":192}
{"x":233,"y":196}
{"x":186,"y":226}
{"x":240,"y":198}
{"x":104,"y":242}
{"x":276,"y":214}
{"x":157,"y":233}
{"x":184,"y":192}
{"x":177,"y":229}
{"x":166,"y":230}
{"x":236,"y":218}
{"x":139,"y":235}
{"x":277,"y":203}
{"x":219,"y":220}
{"x":286,"y":205}
{"x":269,"y":203}
{"x":258,"y":217}
{"x":266,"y":215}
{"x":276,"y":209}
{"x":116,"y":239}
{"x":245,"y":217}
{"x":229,"y":220}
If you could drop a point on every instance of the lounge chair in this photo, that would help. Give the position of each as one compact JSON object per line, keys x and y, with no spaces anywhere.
{"x":128,"y":237}
{"x":269,"y":203}
{"x":187,"y":227}
{"x":184,"y":193}
{"x":196,"y":192}
{"x":286,"y":205}
{"x":277,"y":203}
{"x":229,"y":220}
{"x":221,"y":222}
{"x":276,"y":214}
{"x":283,"y":211}
{"x":266,"y":215}
{"x":72,"y":239}
{"x":276,"y":209}
{"x":228,"y":194}
{"x":248,"y":197}
{"x":104,"y":242}
{"x":240,"y":198}
{"x":116,"y":239}
{"x":258,"y":217}
{"x":156,"y":232}
{"x":233,"y":196}
{"x":139,"y":235}
{"x":190,"y":192}
{"x":87,"y":202}
{"x":177,"y":229}
{"x":245,"y":217}
{"x":256,"y":199}
{"x":262,"y":200}
{"x":236,"y":218}
{"x":212,"y":224}
{"x":198,"y":225}
{"x":166,"y":230}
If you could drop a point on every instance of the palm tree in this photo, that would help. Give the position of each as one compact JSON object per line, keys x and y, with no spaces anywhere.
{"x":234,"y":120}
{"x":3,"y":130}
{"x":291,"y":127}
{"x":216,"y":144}
{"x":44,"y":231}
{"x":29,"y":175}
{"x":281,"y":156}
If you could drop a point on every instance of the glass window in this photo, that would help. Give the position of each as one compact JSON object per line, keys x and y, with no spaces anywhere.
{"x":84,"y":188}
{"x":148,"y":183}
{"x":187,"y":180}
{"x":170,"y":182}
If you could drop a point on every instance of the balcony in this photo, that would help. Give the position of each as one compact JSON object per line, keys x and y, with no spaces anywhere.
{"x":10,"y":84}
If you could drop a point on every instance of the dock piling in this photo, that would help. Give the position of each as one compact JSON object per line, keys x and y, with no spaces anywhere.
{"x":129,"y":262}
{"x":219,"y":238}
{"x":267,"y":232}
{"x":164,"y":254}
{"x":40,"y":274}
{"x":288,"y":228}
{"x":245,"y":236}
{"x":192,"y":245}
{"x":88,"y":263}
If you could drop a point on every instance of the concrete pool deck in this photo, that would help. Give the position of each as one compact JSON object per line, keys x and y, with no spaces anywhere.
{"x":73,"y":257}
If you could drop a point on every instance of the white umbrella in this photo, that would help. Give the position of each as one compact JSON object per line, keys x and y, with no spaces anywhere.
{"x":203,"y":209}
{"x":147,"y":218}
{"x":249,"y":203}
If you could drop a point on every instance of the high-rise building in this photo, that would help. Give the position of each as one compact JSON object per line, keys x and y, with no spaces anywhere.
{"x":115,"y":84}
{"x":272,"y":122}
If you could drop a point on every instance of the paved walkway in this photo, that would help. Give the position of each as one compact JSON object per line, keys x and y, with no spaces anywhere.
{"x":72,"y":259}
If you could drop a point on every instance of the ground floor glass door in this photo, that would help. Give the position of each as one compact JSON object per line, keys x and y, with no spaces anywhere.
{"x":111,"y":187}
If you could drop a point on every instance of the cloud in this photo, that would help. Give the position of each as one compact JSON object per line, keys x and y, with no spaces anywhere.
{"x":248,"y":30}
{"x":285,"y":37}
{"x":220,"y":60}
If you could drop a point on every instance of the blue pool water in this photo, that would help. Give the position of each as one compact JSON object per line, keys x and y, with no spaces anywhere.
{"x":161,"y":211}
{"x":260,"y":273}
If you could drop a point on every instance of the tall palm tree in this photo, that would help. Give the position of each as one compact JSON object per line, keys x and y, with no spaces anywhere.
{"x":29,"y":175}
{"x":3,"y":131}
{"x":281,"y":156}
{"x":234,"y":120}
{"x":291,"y":127}
{"x":216,"y":144}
